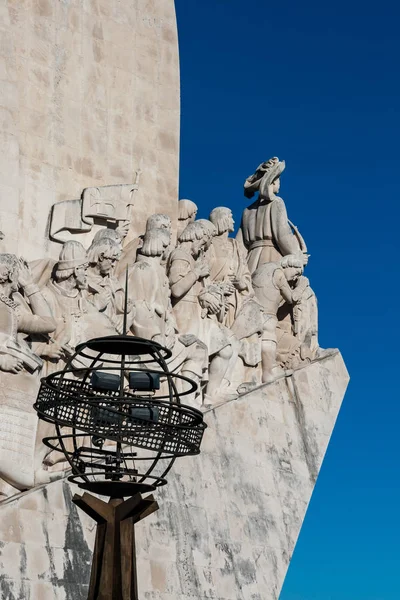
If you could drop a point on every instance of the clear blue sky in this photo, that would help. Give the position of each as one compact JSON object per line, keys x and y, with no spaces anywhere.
{"x":317,"y":83}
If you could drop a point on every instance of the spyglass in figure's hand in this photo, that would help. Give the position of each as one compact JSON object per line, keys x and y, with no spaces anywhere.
{"x":119,"y":421}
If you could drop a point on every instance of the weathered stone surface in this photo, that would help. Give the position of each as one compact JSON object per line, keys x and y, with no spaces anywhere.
{"x":228,"y":520}
{"x":89,"y":93}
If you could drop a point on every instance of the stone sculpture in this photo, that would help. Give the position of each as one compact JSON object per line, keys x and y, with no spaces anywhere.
{"x":241,"y":313}
{"x":106,"y":206}
{"x":153,"y":316}
{"x":196,"y":309}
{"x":187,"y":211}
{"x":228,"y":264}
{"x":265,"y":230}
{"x":20,"y":316}
{"x":23,"y":314}
{"x":105,"y":291}
{"x":234,"y":312}
{"x":76,"y":317}
{"x":297,"y":329}
{"x":271,"y":283}
{"x":129,"y":252}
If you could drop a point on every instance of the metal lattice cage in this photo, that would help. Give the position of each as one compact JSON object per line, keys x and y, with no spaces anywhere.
{"x":116,"y":405}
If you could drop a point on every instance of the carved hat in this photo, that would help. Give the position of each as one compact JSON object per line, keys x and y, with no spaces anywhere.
{"x":72,"y":255}
{"x":265,"y":174}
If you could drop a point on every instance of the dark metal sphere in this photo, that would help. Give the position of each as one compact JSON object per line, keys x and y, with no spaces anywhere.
{"x":107,"y":422}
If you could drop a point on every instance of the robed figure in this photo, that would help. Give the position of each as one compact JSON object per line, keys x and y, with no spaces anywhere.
{"x":265,"y":231}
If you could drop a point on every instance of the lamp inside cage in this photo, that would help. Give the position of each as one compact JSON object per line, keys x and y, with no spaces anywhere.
{"x":120,"y":421}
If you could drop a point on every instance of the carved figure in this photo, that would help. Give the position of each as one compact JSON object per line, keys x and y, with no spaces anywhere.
{"x":195,"y":309}
{"x":297,"y":331}
{"x":21,"y":316}
{"x":129,"y":252}
{"x":153,"y":316}
{"x":187,"y":211}
{"x":76,"y":317}
{"x":228,"y":265}
{"x":104,"y":290}
{"x":271,"y":284}
{"x":265,"y":230}
{"x":241,"y":313}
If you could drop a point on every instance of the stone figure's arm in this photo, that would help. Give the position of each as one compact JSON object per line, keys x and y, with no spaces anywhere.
{"x":243,"y":275}
{"x":146,"y":323}
{"x":41,"y":321}
{"x":28,"y":323}
{"x":300,"y":288}
{"x":52,"y":345}
{"x":240,"y":240}
{"x":181,"y":278}
{"x":148,"y":313}
{"x":281,"y":283}
{"x":283,"y":235}
{"x":36,"y":299}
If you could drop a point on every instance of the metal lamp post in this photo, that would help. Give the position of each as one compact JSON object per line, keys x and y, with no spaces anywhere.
{"x":120,"y":424}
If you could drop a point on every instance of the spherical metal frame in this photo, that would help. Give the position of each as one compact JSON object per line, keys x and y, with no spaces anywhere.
{"x":68,"y":399}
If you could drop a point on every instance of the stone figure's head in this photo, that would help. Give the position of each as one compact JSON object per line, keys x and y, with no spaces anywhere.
{"x":209,"y":230}
{"x":266,"y":179}
{"x":222,"y":218}
{"x":111,"y":234}
{"x":195,"y":235}
{"x":159,"y":221}
{"x":293,"y":267}
{"x":187,"y":210}
{"x":271,"y":182}
{"x":155,"y":241}
{"x":9,"y":267}
{"x":72,"y":264}
{"x":102,"y":255}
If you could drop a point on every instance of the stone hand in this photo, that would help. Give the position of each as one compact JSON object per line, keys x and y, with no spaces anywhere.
{"x":202,"y":269}
{"x":54,"y":351}
{"x":209,"y":302}
{"x":229,"y":288}
{"x":240,"y":284}
{"x":11,"y":364}
{"x":24,"y":273}
{"x":123,"y":229}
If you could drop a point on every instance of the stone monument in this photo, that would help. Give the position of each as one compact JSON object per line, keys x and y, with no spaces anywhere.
{"x":89,"y":172}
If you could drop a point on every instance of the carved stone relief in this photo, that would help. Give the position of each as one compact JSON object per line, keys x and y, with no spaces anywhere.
{"x":235,"y":312}
{"x":109,"y":206}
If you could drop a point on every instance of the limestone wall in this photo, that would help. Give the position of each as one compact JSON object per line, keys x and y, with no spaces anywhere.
{"x":89,"y":93}
{"x":228,"y":519}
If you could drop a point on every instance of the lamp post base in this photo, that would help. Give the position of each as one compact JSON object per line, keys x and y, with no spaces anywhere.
{"x":114,"y":575}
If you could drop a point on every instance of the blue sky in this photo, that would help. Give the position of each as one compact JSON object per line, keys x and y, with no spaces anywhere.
{"x":317,"y":83}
